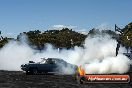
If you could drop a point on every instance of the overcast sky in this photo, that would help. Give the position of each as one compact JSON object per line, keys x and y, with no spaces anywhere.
{"x":23,"y":15}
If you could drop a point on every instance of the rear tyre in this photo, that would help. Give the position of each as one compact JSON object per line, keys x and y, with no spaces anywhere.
{"x":81,"y":80}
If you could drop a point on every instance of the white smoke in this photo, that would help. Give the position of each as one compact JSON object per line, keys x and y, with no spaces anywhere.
{"x":100,"y":55}
{"x":13,"y":55}
{"x":97,"y":56}
{"x":119,"y":64}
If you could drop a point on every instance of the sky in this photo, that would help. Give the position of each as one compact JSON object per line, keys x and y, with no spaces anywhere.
{"x":18,"y":16}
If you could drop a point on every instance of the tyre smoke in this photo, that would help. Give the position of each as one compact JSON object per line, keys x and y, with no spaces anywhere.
{"x":97,"y":56}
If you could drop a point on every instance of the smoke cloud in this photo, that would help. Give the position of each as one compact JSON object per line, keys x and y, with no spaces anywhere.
{"x":97,"y":56}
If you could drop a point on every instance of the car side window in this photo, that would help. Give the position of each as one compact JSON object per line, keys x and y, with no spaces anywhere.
{"x":50,"y":61}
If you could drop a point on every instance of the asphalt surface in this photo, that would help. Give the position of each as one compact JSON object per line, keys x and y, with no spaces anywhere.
{"x":17,"y":79}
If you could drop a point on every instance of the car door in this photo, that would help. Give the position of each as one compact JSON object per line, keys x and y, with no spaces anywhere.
{"x":52,"y":67}
{"x":43,"y":67}
{"x":47,"y":67}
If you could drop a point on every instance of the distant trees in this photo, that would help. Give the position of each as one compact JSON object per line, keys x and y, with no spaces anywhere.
{"x":94,"y":32}
{"x":4,"y":40}
{"x":67,"y":38}
{"x":126,"y":36}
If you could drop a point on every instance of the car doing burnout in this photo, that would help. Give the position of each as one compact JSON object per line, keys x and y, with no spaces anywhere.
{"x":50,"y":65}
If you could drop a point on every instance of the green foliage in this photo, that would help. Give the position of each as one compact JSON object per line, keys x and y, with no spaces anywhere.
{"x":94,"y":32}
{"x":4,"y":41}
{"x":126,"y":37}
{"x":67,"y":38}
{"x":64,"y":38}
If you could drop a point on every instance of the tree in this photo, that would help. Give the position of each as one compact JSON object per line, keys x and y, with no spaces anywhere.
{"x":65,"y":38}
{"x":126,"y":36}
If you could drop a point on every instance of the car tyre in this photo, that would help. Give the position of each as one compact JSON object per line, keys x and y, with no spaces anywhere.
{"x":34,"y":71}
{"x":81,"y":80}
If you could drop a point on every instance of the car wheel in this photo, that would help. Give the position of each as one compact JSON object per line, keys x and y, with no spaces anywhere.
{"x":28,"y":72}
{"x":34,"y":71}
{"x":81,"y":80}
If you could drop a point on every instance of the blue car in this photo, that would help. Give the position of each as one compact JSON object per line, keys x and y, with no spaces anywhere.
{"x":50,"y":65}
